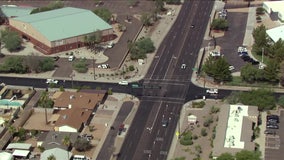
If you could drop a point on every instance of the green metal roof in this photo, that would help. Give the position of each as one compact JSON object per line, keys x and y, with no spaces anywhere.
{"x":15,"y":11}
{"x":65,"y":23}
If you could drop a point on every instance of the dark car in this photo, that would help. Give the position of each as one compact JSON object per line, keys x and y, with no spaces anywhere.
{"x":246,"y":58}
{"x":275,"y":121}
{"x":272,"y":117}
{"x":56,"y":58}
{"x":165,"y":123}
{"x":254,"y":62}
{"x":270,"y":126}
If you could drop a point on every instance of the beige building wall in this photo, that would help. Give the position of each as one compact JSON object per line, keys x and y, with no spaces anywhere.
{"x":30,"y":31}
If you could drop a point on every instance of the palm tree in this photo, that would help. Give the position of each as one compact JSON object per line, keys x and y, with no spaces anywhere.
{"x":51,"y":157}
{"x":45,"y":102}
{"x":67,"y":142}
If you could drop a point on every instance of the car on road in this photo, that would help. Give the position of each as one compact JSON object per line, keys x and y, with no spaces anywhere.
{"x":183,"y":66}
{"x":212,"y":91}
{"x":215,"y":54}
{"x":51,"y":81}
{"x":165,"y":123}
{"x":124,"y":83}
{"x":242,"y":49}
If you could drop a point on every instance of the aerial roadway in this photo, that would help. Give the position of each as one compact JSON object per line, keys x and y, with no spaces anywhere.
{"x":168,"y":85}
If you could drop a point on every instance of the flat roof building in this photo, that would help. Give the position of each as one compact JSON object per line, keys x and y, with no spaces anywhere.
{"x":237,"y":133}
{"x":60,"y":29}
{"x":275,"y":6}
{"x":276,"y":33}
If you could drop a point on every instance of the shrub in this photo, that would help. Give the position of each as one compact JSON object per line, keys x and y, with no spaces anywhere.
{"x":214,"y":110}
{"x":220,"y":24}
{"x":131,"y":68}
{"x":186,"y":139}
{"x":203,"y":132}
{"x":200,"y":104}
{"x":208,"y":121}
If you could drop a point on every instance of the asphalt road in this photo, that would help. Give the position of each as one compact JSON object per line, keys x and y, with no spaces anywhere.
{"x":108,"y":146}
{"x":147,"y":138}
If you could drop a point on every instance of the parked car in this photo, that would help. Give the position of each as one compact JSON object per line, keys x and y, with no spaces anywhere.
{"x":270,"y":132}
{"x":104,"y":66}
{"x":212,"y":91}
{"x":243,"y":54}
{"x":56,"y":58}
{"x":246,"y":58}
{"x":51,"y":81}
{"x":71,"y":58}
{"x":231,"y":68}
{"x":272,"y":126}
{"x":272,"y":117}
{"x":242,"y":49}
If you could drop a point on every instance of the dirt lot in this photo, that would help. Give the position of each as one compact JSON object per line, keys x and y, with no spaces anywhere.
{"x":202,"y":144}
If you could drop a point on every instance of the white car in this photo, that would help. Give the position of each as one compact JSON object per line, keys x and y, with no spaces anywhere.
{"x":231,"y":68}
{"x":212,"y":91}
{"x":242,"y":49}
{"x":124,"y":83}
{"x":215,"y":54}
{"x":110,"y":44}
{"x":51,"y":81}
{"x":183,"y":66}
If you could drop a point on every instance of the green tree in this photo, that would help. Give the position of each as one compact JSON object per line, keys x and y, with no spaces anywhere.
{"x":281,"y":101}
{"x":226,"y":156}
{"x":146,"y":19}
{"x":82,"y":144}
{"x":248,"y":155}
{"x":11,"y":39}
{"x":276,"y":51}
{"x":94,"y":38}
{"x":260,"y":10}
{"x":81,"y":66}
{"x":220,"y":24}
{"x":186,"y":139}
{"x":45,"y":102}
{"x":263,"y":98}
{"x":261,"y":40}
{"x":146,"y":44}
{"x":173,"y":1}
{"x":50,"y":6}
{"x":281,"y":73}
{"x":13,"y":65}
{"x":217,"y":69}
{"x":51,"y":157}
{"x":250,"y":74}
{"x":103,"y":13}
{"x":271,"y":71}
{"x":47,"y":64}
{"x":159,"y":4}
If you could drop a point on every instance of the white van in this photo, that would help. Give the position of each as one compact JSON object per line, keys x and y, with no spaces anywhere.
{"x":71,"y":58}
{"x":124,"y":83}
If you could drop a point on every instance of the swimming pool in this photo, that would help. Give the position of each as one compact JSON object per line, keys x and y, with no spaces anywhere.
{"x":7,"y":102}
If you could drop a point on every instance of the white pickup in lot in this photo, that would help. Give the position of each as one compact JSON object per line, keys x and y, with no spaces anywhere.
{"x":51,"y":81}
{"x":103,"y":66}
{"x":212,"y":91}
{"x":215,"y":54}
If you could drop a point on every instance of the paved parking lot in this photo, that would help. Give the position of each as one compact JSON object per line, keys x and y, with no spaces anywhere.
{"x":274,"y":143}
{"x":234,"y":37}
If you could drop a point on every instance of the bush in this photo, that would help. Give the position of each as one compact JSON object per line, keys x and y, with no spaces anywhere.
{"x":131,"y":68}
{"x":220,"y":24}
{"x":203,"y":132}
{"x":260,"y":11}
{"x":81,"y":66}
{"x":214,"y":110}
{"x":200,"y":104}
{"x":208,"y":121}
{"x":186,"y":139}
